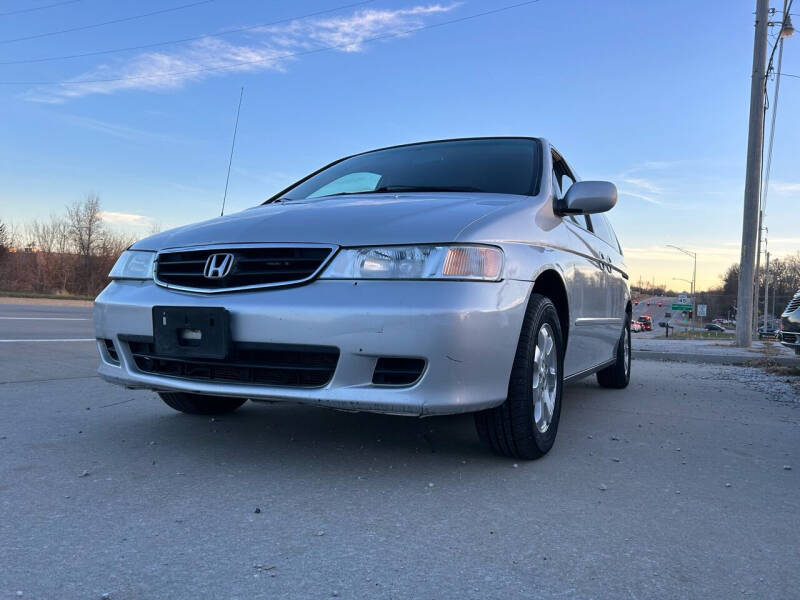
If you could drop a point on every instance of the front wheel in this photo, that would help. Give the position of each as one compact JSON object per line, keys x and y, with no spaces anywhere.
{"x":618,"y":375}
{"x":525,"y":425}
{"x":196,"y":404}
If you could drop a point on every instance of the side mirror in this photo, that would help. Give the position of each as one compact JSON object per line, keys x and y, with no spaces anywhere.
{"x":588,"y":197}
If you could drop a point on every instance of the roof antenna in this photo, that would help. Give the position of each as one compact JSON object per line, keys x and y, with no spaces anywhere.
{"x":230,"y":159}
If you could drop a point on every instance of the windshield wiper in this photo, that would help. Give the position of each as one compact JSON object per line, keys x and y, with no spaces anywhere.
{"x":426,"y":188}
{"x":388,"y":189}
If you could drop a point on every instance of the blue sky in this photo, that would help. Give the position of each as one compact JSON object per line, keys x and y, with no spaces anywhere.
{"x":651,"y":95}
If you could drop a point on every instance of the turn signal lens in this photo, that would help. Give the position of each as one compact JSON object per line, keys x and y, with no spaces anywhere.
{"x":473,"y":262}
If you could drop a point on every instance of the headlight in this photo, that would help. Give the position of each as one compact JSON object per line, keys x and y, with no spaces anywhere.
{"x":133,"y":264}
{"x":484,"y":263}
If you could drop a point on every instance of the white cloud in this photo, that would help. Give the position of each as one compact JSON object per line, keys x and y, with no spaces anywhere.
{"x":644,"y":184}
{"x":785,"y":187}
{"x":126,"y":219}
{"x":348,"y":34}
{"x":267,"y":49}
{"x":645,"y":197}
{"x":120,"y":131}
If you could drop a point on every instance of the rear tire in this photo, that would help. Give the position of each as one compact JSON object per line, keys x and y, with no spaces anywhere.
{"x":526,"y":424}
{"x":618,"y":375}
{"x":196,"y":404}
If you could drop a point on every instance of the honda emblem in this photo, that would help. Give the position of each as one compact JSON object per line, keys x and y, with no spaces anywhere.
{"x":218,"y":266}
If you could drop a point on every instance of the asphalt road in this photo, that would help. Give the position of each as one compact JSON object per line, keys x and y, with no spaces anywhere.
{"x":673,"y":488}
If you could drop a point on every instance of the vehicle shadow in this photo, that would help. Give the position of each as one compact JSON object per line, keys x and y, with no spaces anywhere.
{"x":260,"y":434}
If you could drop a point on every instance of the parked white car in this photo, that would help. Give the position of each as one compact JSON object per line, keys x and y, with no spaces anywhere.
{"x":471,"y":275}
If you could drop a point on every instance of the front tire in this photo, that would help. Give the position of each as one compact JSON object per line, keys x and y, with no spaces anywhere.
{"x":618,"y":375}
{"x":526,"y":424}
{"x":196,"y":404}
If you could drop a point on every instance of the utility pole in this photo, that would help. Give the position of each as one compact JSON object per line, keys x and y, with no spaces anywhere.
{"x":693,"y":282}
{"x":752,"y":186}
{"x":766,"y":293}
{"x":757,"y":274}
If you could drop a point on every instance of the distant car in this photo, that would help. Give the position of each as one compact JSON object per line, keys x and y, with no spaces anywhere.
{"x":767,"y":332}
{"x":714,"y":327}
{"x":660,"y":303}
{"x":647,"y":303}
{"x":647,"y":322}
{"x":789,"y":334}
{"x":636,"y":327}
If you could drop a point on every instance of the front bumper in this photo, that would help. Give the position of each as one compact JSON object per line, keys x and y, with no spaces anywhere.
{"x":466,"y":331}
{"x":789,"y":333}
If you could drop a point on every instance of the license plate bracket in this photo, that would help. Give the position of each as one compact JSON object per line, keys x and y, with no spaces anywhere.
{"x":191,"y":331}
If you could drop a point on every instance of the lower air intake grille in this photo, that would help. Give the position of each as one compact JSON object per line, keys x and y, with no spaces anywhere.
{"x":397,"y":371}
{"x":258,"y":364}
{"x":112,"y":352}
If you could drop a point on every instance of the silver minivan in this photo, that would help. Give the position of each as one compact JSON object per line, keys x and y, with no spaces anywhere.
{"x":468,"y":275}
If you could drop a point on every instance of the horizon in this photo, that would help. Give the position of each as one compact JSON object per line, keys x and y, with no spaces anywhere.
{"x":152,"y":131}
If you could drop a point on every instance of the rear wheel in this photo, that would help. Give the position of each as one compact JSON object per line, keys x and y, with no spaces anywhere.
{"x":618,"y":375}
{"x":525,"y":425}
{"x":196,"y":404}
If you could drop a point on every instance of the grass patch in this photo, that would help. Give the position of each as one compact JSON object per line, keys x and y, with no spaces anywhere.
{"x":788,"y":371}
{"x":702,"y":335}
{"x":45,"y":296}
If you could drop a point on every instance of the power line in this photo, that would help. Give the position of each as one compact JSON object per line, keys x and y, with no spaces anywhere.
{"x":789,"y":75}
{"x":111,"y":22}
{"x":237,"y":64}
{"x":784,"y":21}
{"x":765,"y":187}
{"x":183,"y":40}
{"x":35,"y":8}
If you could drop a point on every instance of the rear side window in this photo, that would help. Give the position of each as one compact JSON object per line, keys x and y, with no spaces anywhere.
{"x":579,"y":220}
{"x":602,"y":229}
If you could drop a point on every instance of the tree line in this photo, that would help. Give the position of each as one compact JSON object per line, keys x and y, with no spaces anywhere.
{"x":784,"y":282}
{"x":72,"y":253}
{"x":68,"y":254}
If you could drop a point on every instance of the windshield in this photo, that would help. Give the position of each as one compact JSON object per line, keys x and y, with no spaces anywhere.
{"x":495,"y":165}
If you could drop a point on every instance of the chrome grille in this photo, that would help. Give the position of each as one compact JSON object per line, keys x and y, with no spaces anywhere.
{"x":794,"y":304}
{"x":252,"y":267}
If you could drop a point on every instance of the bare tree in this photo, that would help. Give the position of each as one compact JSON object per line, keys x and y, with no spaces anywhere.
{"x":54,"y":261}
{"x":86,"y":231}
{"x":4,"y":238}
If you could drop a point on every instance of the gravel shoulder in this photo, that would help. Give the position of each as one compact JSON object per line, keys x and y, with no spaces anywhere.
{"x":43,"y":301}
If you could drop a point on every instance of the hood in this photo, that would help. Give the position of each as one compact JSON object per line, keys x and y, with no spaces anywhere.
{"x":341,"y":220}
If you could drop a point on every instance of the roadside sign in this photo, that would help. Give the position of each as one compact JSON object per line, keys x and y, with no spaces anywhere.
{"x":683,"y":299}
{"x":701,"y":310}
{"x":681,"y":307}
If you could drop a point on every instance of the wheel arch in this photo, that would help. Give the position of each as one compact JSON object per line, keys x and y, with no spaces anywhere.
{"x":550,"y":283}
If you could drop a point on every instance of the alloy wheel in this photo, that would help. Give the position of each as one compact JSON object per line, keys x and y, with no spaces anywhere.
{"x":545,"y":378}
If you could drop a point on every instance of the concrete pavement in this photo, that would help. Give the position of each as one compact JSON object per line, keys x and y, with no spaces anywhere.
{"x":676,"y":487}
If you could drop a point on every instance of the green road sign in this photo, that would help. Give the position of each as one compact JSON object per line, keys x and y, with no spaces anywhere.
{"x":681,"y":307}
